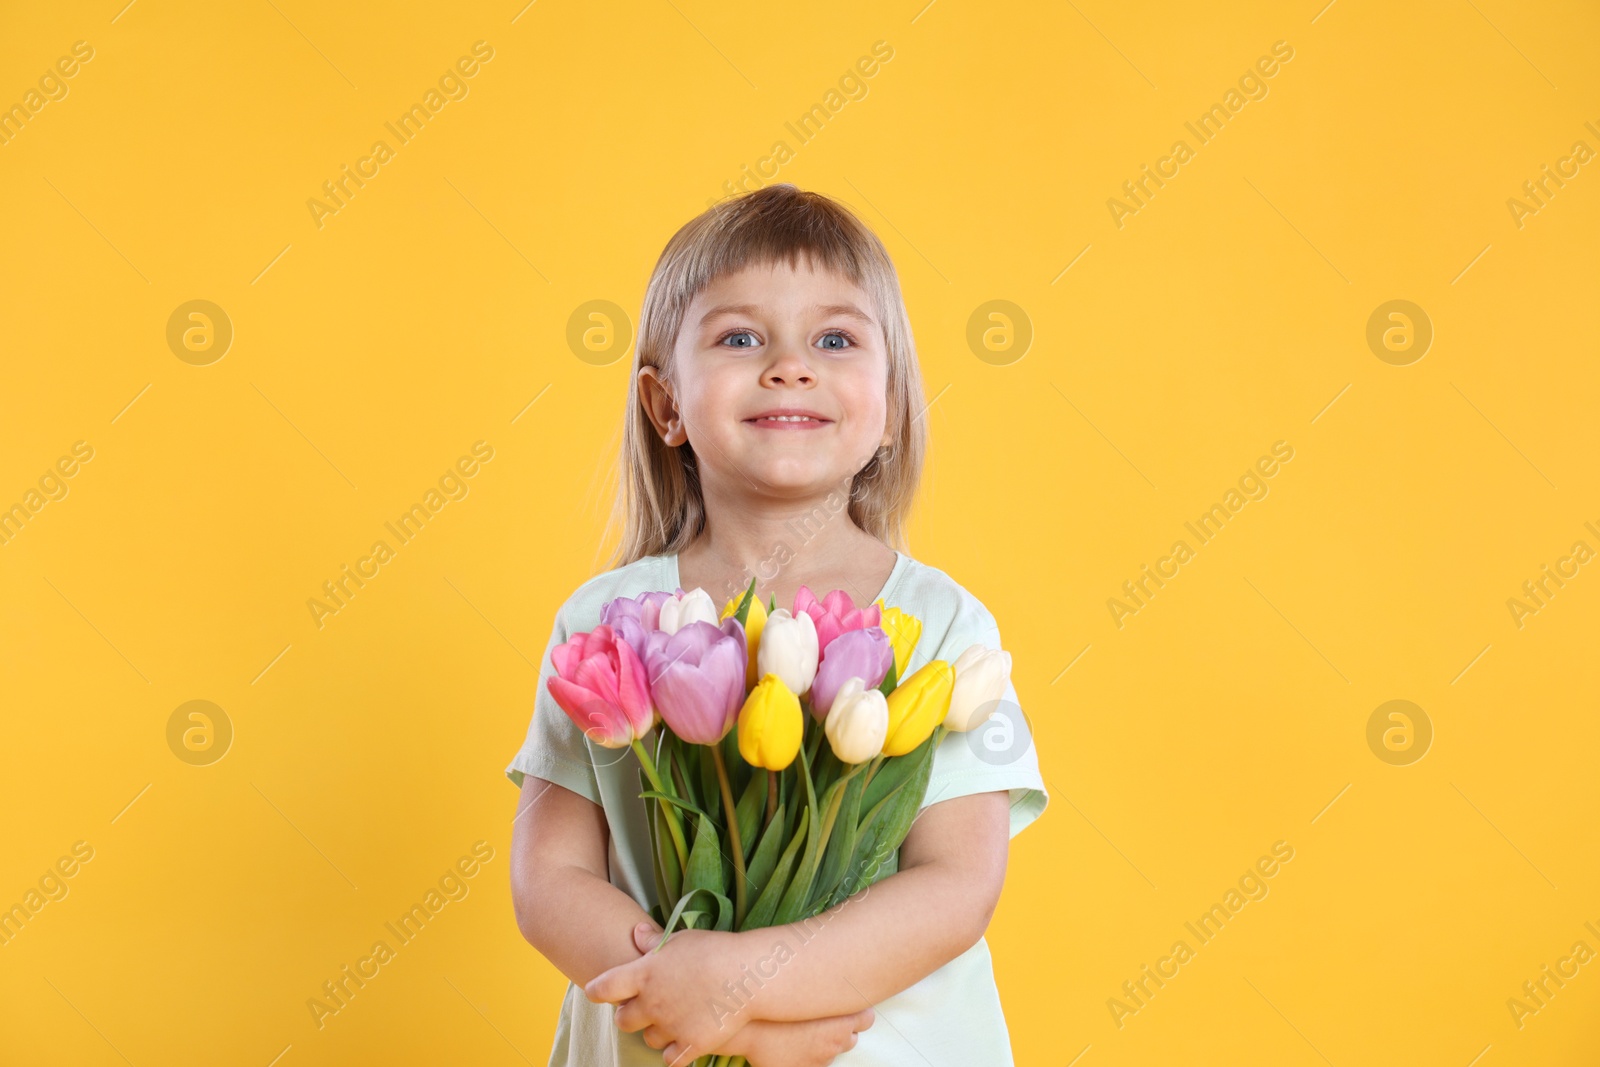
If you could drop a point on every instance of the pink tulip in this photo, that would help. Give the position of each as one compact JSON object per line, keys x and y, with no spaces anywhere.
{"x":600,"y":682}
{"x":835,"y":614}
{"x":865,"y":654}
{"x":697,"y":678}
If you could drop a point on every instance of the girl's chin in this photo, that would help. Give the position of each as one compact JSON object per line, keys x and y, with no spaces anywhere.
{"x":782,"y":480}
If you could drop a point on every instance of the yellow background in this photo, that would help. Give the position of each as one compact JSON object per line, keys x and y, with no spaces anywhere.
{"x":1227,"y":314}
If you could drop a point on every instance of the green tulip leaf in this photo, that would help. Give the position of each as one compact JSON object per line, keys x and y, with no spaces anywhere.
{"x":652,"y":823}
{"x":829,"y":768}
{"x":792,"y":776}
{"x":680,"y":911}
{"x":799,"y":892}
{"x":759,"y":872}
{"x":674,"y":755}
{"x":842,"y":841}
{"x":895,"y":770}
{"x":783,"y":785}
{"x":700,"y":916}
{"x":710,"y":790}
{"x":766,"y":905}
{"x":750,"y":809}
{"x":705,"y":869}
{"x":651,"y":794}
{"x":743,"y":612}
{"x":671,"y":869}
{"x":889,"y":820}
{"x":669,"y":876}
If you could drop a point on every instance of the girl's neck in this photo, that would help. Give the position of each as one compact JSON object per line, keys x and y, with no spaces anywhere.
{"x":846,"y":557}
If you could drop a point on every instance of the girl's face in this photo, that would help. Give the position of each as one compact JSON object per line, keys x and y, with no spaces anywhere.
{"x":766,"y":341}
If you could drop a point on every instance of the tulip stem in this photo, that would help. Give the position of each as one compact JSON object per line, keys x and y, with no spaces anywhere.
{"x":772,"y":796}
{"x":733,"y":834}
{"x":669,"y":810}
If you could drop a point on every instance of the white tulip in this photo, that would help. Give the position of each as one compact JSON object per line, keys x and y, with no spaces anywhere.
{"x":693,"y":606}
{"x":857,"y":723}
{"x":981,"y":677}
{"x":788,"y":649}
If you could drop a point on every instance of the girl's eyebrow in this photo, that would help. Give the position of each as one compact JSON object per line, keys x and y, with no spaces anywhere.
{"x":848,"y":310}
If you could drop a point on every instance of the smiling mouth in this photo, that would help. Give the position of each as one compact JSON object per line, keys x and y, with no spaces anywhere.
{"x":787,"y":422}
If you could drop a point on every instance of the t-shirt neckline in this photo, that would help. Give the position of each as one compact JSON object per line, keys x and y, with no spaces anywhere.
{"x":901,"y":560}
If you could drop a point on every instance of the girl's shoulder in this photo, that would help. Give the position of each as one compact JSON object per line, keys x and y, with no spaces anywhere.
{"x":581,"y":610}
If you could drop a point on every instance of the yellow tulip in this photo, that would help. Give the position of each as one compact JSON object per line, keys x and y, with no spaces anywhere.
{"x":904,"y":630}
{"x":917,"y":705}
{"x":770,"y":725}
{"x":754,"y":620}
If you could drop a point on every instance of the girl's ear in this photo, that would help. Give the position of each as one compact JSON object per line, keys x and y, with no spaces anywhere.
{"x":660,"y":408}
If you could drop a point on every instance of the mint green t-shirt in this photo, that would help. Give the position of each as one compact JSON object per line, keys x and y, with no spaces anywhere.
{"x":952,"y":1016}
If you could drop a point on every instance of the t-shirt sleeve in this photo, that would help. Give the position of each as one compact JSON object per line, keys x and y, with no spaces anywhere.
{"x":555,"y":748}
{"x":999,"y":754}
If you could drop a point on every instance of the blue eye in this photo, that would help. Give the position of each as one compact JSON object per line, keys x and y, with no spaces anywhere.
{"x":845,"y":341}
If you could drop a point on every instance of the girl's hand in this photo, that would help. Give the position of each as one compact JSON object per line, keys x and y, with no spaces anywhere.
{"x":685,"y":1006}
{"x":814,"y":1043}
{"x":687,"y":993}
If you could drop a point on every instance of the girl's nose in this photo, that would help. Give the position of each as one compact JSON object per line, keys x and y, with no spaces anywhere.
{"x":789,"y":367}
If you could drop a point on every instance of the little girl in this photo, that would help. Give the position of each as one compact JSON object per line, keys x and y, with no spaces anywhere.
{"x":773,"y":428}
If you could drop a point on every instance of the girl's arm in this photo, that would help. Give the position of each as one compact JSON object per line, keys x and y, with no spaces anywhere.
{"x":856,"y":954}
{"x":565,"y":904}
{"x":567,"y":908}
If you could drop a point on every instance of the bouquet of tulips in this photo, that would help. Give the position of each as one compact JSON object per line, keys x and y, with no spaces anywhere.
{"x":755,"y":821}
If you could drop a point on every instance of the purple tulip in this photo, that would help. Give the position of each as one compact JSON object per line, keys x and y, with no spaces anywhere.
{"x":866,"y":654}
{"x":635,"y":618}
{"x":697,"y":678}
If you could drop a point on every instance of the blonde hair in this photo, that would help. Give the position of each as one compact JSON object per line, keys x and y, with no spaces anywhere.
{"x":659,"y":505}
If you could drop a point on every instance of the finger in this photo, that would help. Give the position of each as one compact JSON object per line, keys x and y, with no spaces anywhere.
{"x":646,"y":936}
{"x":613,"y":986}
{"x":676,"y":1055}
{"x":655,"y":1037}
{"x":863,"y":1019}
{"x":630,"y":1016}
